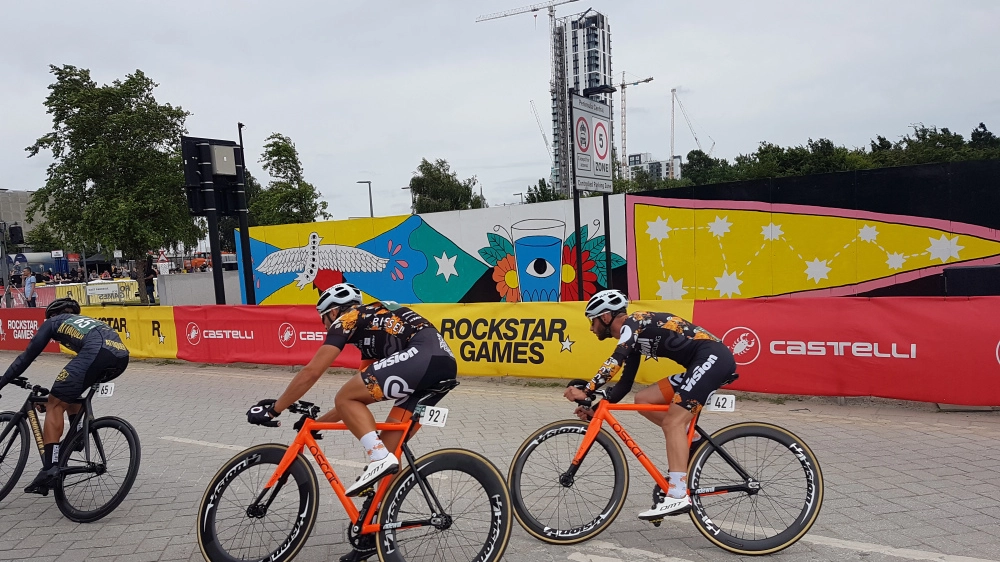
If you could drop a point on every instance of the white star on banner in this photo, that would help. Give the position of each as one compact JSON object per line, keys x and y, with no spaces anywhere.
{"x":771,"y":231}
{"x":567,"y":345}
{"x":128,"y":335}
{"x":868,"y":233}
{"x":671,"y":290}
{"x":446,"y":265}
{"x":728,"y":284}
{"x":895,"y":261}
{"x":658,"y":229}
{"x":943,"y":248}
{"x":817,"y":269}
{"x":718,"y":227}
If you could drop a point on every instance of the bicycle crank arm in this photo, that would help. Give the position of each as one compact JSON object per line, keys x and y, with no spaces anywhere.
{"x":750,"y":488}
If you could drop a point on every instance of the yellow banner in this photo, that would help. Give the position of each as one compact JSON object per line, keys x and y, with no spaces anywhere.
{"x":526,"y":339}
{"x":119,"y":290}
{"x":147,"y":331}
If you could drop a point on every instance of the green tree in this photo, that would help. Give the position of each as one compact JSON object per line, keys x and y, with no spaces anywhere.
{"x":437,"y":188}
{"x":288,"y":198}
{"x":228,"y":225}
{"x":41,"y":239}
{"x":541,"y":192}
{"x":702,"y":169}
{"x":982,"y":139}
{"x":116,"y":177}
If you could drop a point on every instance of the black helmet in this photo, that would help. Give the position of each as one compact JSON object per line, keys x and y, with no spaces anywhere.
{"x":62,"y":306}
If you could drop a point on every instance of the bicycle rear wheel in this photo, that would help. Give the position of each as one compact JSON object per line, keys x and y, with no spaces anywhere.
{"x":476,"y":521}
{"x":13,"y":451}
{"x":91,"y":488}
{"x":558,"y":508}
{"x":782,"y":508}
{"x":233,"y":526}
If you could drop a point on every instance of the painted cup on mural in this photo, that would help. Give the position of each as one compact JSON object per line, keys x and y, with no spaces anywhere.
{"x":538,"y":253}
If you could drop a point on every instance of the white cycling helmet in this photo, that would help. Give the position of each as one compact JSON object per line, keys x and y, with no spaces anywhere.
{"x":338,"y":295}
{"x":611,"y":300}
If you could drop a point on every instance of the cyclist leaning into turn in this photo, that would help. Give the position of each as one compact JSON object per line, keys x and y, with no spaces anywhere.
{"x":409,"y":355}
{"x":100,"y":357}
{"x":709,"y":365}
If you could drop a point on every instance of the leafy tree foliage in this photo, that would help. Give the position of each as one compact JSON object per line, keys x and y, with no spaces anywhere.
{"x":924,"y":146}
{"x":437,"y":188}
{"x":116,"y":178}
{"x":541,"y":192}
{"x":288,"y":198}
{"x":41,"y":239}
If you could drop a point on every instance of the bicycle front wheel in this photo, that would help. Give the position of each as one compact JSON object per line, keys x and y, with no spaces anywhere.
{"x":779,"y":505}
{"x":239,"y":519}
{"x":13,"y":451}
{"x":92,"y":486}
{"x":476,"y":519}
{"x":560,"y":507}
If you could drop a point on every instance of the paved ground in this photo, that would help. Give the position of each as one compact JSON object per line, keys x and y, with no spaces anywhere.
{"x":902,"y":482}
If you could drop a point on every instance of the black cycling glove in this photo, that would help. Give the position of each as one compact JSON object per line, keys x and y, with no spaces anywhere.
{"x":263,"y":413}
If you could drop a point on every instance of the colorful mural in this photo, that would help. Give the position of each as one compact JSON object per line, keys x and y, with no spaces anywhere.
{"x":691,"y":249}
{"x":506,"y":254}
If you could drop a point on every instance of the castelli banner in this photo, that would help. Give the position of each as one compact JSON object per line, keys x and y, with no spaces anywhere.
{"x":925,"y":349}
{"x":19,"y":325}
{"x":276,"y":335}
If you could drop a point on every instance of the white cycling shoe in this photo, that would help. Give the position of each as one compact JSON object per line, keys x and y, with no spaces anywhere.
{"x":667,"y":506}
{"x":374,"y":471}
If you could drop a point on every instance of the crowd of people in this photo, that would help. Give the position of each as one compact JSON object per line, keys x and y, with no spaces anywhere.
{"x":75,"y":275}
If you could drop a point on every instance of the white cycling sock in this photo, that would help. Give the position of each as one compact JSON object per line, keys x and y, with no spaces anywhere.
{"x":373,"y":446}
{"x":678,"y":485}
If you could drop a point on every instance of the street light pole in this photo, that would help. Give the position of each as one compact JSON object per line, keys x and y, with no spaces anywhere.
{"x":413,"y":200}
{"x":371,"y":209}
{"x":522,"y":197}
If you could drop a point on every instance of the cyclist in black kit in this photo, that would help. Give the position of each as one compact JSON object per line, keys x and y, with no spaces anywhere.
{"x":409,"y":355}
{"x":100,"y":357}
{"x":709,"y":365}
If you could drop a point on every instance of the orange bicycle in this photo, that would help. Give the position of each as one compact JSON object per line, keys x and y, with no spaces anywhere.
{"x":755,"y":488}
{"x":451,"y":504}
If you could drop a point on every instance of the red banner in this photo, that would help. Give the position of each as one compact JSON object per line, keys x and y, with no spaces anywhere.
{"x":18,"y":326}
{"x":276,"y":335}
{"x":925,"y":349}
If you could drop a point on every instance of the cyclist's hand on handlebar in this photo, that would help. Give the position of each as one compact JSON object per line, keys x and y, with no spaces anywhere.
{"x":584,"y":414}
{"x":573,"y":394}
{"x":263,"y":413}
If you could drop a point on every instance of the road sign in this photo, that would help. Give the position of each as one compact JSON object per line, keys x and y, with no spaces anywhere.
{"x":592,"y":144}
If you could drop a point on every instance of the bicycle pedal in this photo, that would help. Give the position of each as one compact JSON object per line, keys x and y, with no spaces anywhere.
{"x":656,"y":522}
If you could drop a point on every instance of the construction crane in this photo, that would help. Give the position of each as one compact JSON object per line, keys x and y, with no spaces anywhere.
{"x":622,"y":86}
{"x":541,"y":129}
{"x":677,"y":101}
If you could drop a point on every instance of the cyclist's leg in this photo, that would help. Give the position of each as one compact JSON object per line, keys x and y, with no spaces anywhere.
{"x":351,"y":405}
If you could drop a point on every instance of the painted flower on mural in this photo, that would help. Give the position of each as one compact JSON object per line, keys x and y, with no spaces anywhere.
{"x":570,"y":284}
{"x":505,"y":276}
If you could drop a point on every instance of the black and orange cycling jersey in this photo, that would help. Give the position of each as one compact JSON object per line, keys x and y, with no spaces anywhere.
{"x":653,"y":335}
{"x":377,"y":331}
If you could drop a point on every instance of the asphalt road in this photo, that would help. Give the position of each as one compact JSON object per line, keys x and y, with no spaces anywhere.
{"x":903,"y":481}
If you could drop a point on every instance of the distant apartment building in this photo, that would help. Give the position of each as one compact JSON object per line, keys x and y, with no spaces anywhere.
{"x":14,"y":207}
{"x":659,"y":169}
{"x":581,"y":59}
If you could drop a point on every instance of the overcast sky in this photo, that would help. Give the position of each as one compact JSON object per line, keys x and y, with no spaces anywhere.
{"x":367,"y":89}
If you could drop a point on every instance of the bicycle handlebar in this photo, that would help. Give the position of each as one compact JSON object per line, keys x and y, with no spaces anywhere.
{"x":592,"y":395}
{"x":23,"y":383}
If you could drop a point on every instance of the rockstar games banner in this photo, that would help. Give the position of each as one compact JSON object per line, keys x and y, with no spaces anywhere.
{"x":147,"y":331}
{"x":18,"y":326}
{"x":549,"y":339}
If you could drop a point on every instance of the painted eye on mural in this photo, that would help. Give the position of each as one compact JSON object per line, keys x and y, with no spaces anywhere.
{"x":540,"y":267}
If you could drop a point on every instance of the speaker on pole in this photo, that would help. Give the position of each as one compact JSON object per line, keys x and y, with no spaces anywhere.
{"x":16,"y":234}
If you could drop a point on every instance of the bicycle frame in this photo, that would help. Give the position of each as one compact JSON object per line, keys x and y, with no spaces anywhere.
{"x":602,"y":414}
{"x":305,"y":440}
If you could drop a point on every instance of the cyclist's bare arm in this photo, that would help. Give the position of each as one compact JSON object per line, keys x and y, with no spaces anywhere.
{"x":307,"y":377}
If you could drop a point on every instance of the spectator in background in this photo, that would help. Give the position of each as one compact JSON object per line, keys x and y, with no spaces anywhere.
{"x":29,"y":287}
{"x":58,"y":278}
{"x":93,"y":275}
{"x":105,"y":274}
{"x":148,"y":276}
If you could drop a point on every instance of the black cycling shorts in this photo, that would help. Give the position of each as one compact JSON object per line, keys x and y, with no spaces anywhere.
{"x":93,"y":364}
{"x":401,"y":376}
{"x":713,"y":366}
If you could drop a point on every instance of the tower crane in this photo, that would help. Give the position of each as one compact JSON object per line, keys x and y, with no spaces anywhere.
{"x":622,"y":86}
{"x":541,"y":129}
{"x":676,"y":100}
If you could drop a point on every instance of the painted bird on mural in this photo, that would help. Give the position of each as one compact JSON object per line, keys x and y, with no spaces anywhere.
{"x":314,"y":257}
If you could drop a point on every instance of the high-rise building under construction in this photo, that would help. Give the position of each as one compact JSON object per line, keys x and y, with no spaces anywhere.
{"x":581,"y":59}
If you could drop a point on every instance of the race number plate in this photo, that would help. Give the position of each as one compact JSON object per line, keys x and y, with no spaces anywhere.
{"x":721,"y":403}
{"x":434,"y":416}
{"x":104,"y":389}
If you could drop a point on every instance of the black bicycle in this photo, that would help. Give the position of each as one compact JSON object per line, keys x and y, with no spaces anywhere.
{"x":98,"y":460}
